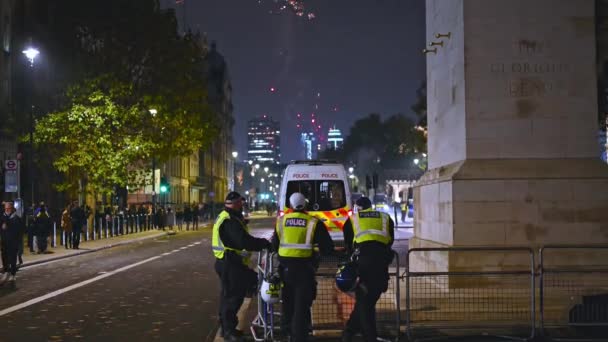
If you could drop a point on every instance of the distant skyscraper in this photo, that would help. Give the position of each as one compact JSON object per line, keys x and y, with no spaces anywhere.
{"x":334,"y":139}
{"x":264,"y":140}
{"x":308,"y":142}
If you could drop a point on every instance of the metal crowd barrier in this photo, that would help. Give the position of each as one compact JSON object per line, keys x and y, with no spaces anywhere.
{"x":263,"y":326}
{"x":460,"y":303}
{"x":332,"y":308}
{"x":574,"y":292}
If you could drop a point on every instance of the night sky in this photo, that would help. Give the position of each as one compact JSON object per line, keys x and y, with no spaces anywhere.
{"x":355,"y":57}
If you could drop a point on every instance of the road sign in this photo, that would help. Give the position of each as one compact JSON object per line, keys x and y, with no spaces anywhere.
{"x":10,"y":165}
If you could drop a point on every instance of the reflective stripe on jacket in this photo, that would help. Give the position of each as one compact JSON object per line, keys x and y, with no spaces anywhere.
{"x":371,"y":225}
{"x":296,"y":232}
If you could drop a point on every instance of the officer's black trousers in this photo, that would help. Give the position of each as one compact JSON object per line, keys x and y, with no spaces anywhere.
{"x":233,"y":290}
{"x":373,"y":277}
{"x":298,"y":293}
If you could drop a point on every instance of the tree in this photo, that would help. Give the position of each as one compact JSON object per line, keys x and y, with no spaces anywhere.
{"x":126,"y":57}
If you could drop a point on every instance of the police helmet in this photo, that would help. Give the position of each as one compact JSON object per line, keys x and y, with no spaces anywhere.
{"x":270,"y":290}
{"x":347,"y":277}
{"x":363,"y":203}
{"x":297,"y":201}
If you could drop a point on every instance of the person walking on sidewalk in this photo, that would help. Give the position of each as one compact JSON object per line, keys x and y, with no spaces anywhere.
{"x":294,"y":238}
{"x":78,"y":217}
{"x":42,"y":229}
{"x":369,"y":234}
{"x":231,"y":244}
{"x":11,"y":230}
{"x":188,"y":216}
{"x":66,"y":226}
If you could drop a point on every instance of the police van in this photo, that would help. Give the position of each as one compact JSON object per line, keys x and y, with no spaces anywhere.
{"x":325,"y":186}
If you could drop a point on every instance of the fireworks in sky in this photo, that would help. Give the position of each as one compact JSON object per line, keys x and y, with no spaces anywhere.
{"x":296,"y":6}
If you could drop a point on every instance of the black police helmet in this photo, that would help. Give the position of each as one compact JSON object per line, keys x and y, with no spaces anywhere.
{"x":232,"y":197}
{"x":364,"y":203}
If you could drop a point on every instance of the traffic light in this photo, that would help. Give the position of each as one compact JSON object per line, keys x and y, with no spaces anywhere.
{"x":164,"y":185}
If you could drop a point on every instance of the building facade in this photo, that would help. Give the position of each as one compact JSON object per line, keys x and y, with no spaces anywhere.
{"x":216,"y":164}
{"x":309,"y":146}
{"x":335,"y":140}
{"x":264,"y":140}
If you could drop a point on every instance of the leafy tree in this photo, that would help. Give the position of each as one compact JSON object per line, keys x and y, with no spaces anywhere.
{"x":125,"y":57}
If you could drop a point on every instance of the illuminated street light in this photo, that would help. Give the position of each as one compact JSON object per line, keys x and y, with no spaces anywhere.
{"x":235,"y":154}
{"x":153,"y":111}
{"x":266,"y":169}
{"x":416,"y":161}
{"x":257,"y":166}
{"x":262,"y":180}
{"x":31,"y":53}
{"x":252,"y":174}
{"x":250,"y":162}
{"x":351,"y":169}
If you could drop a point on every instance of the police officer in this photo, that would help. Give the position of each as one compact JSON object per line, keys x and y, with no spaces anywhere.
{"x":231,"y":243}
{"x":403,"y":211}
{"x":295,"y":235}
{"x":371,"y":234}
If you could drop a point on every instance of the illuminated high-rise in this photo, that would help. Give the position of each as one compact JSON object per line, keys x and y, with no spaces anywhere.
{"x":264,"y":140}
{"x":334,"y":139}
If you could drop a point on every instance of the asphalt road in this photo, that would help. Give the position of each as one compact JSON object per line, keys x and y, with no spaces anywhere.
{"x":158,"y":289}
{"x":172,"y":296}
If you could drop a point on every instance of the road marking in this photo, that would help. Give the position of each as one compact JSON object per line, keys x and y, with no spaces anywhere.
{"x":164,"y":254}
{"x":72,"y":287}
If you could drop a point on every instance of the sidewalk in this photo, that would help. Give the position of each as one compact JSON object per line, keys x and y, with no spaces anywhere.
{"x":60,"y":252}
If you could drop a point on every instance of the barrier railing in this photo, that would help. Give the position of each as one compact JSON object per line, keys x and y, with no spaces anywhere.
{"x":494,"y":301}
{"x":263,"y":326}
{"x":574,"y":292}
{"x":332,"y":308}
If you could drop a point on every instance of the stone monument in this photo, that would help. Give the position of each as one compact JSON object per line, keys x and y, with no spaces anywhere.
{"x":512,"y":124}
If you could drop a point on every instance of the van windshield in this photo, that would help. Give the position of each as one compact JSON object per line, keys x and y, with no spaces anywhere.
{"x":322,"y":195}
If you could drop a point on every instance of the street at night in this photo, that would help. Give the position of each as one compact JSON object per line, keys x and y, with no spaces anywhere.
{"x":303,"y":170}
{"x":159,"y":289}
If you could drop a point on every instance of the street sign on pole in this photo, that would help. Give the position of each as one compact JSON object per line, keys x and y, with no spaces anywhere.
{"x":11,"y":176}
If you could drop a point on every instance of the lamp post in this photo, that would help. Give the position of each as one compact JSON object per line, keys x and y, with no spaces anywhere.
{"x":31,"y":53}
{"x":153,"y":112}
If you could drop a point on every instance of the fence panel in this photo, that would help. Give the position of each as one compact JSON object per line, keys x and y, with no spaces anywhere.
{"x":332,"y":308}
{"x":497,"y":299}
{"x":574,"y":292}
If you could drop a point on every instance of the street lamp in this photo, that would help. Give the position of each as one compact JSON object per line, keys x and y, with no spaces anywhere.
{"x":250,"y":162}
{"x":266,"y":169}
{"x":31,"y":53}
{"x":235,"y":154}
{"x":257,"y":166}
{"x":351,"y":169}
{"x":416,"y":161}
{"x":153,"y":112}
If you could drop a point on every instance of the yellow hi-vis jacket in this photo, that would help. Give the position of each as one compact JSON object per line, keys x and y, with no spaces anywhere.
{"x":371,"y":225}
{"x":216,"y":243}
{"x":296,"y":232}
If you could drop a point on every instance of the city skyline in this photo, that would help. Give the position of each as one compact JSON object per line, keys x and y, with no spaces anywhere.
{"x":352,"y":59}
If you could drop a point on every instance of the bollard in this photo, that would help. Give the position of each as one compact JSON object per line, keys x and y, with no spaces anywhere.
{"x":63,"y":237}
{"x":54,"y":241}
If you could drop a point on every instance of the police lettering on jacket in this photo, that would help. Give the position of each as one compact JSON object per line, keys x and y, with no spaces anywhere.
{"x":369,"y":214}
{"x":296,"y":222}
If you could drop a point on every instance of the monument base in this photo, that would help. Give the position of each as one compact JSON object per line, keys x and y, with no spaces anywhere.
{"x":508,"y":203}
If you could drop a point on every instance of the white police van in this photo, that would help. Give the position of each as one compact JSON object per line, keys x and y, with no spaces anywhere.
{"x":325,"y":186}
